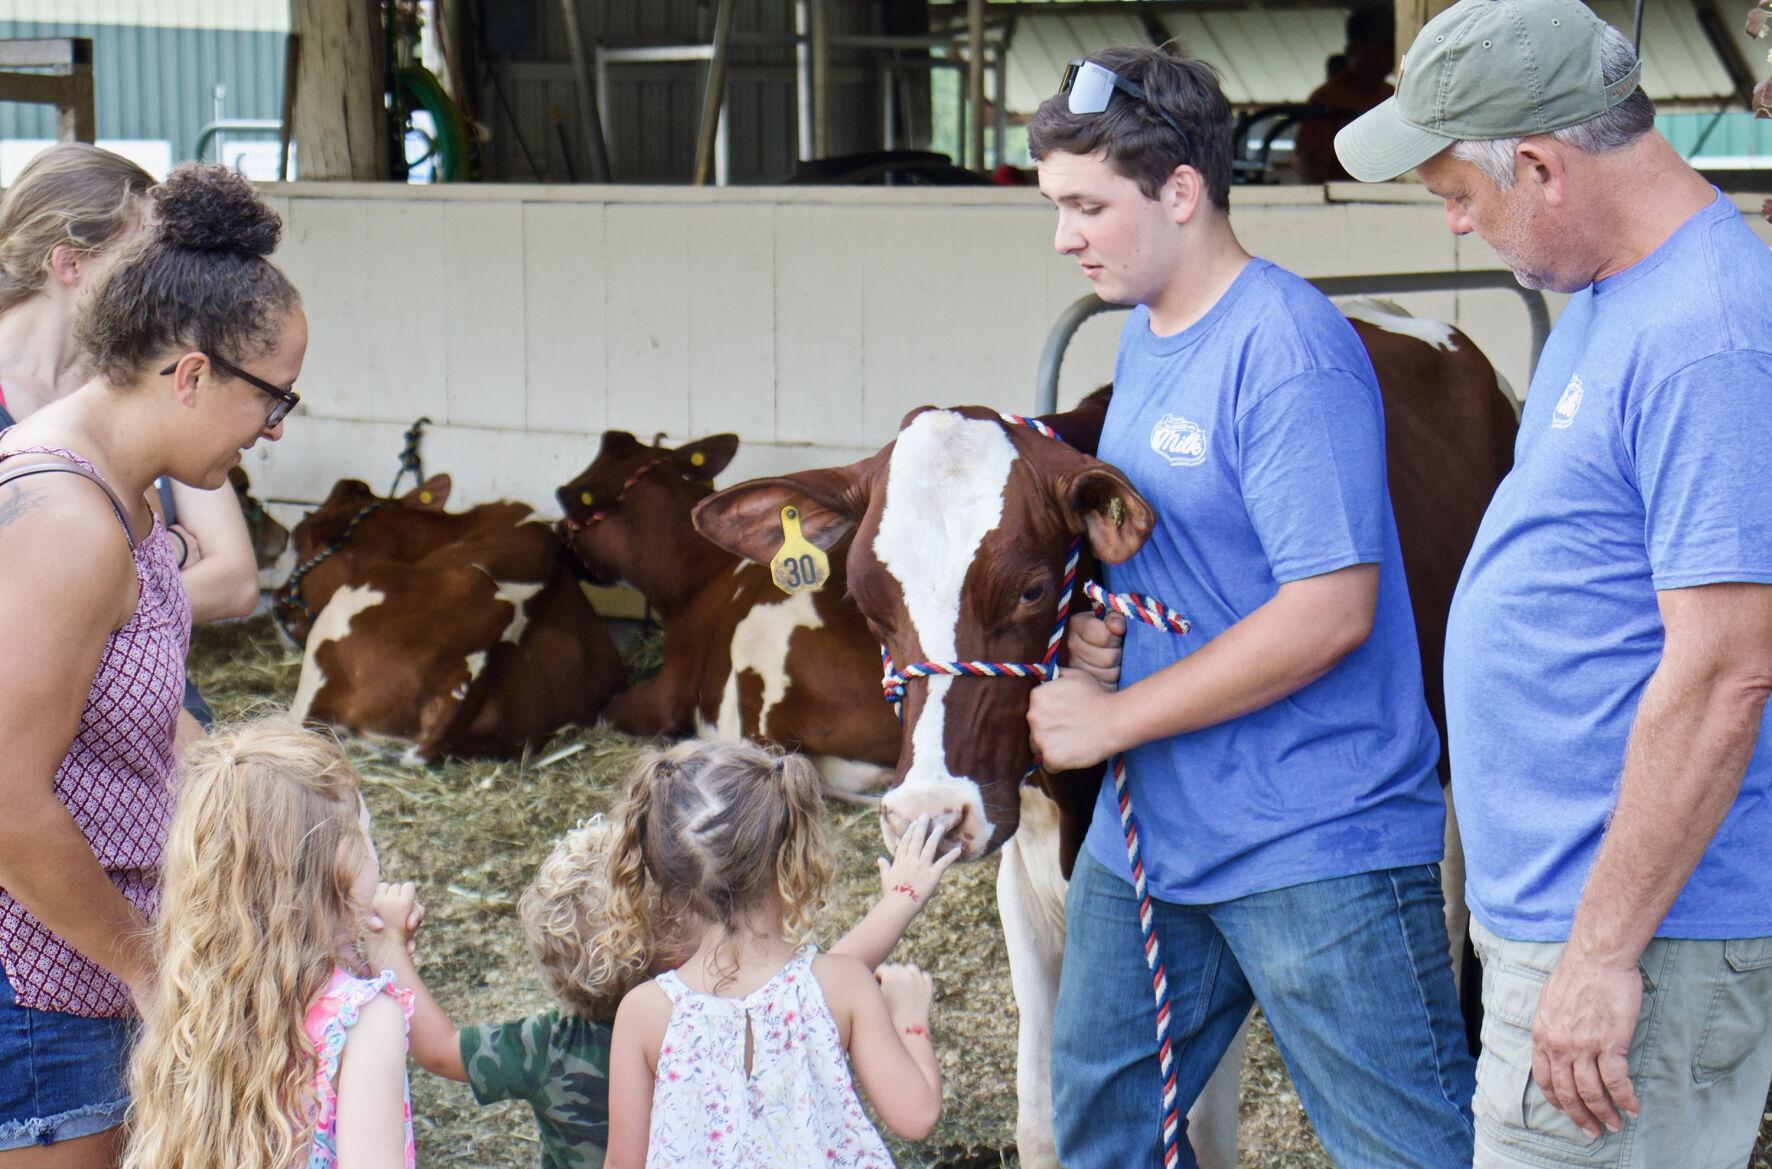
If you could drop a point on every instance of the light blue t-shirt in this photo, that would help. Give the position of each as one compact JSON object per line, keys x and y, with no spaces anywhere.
{"x":1644,"y":462}
{"x":1257,"y":434}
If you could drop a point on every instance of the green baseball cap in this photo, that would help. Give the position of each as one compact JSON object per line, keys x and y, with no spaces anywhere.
{"x":1485,"y":69}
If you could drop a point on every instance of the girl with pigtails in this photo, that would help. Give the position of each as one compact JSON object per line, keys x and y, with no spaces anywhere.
{"x":741,"y":1056}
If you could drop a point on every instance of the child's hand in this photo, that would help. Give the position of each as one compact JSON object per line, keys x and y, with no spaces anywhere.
{"x":394,"y":917}
{"x":908,"y":992}
{"x":914,"y":869}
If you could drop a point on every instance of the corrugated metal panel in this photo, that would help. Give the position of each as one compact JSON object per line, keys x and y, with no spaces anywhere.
{"x":655,"y":110}
{"x":1679,"y":64}
{"x":1268,"y":56}
{"x":159,"y":83}
{"x":254,"y":15}
{"x":1043,"y":44}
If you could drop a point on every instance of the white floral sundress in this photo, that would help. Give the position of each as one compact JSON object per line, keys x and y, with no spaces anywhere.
{"x":795,"y":1110}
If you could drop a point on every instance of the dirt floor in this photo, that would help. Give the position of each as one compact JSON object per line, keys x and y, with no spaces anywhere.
{"x":472,"y":833}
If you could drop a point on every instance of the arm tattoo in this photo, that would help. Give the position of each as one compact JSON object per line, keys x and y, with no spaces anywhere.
{"x":22,"y":499}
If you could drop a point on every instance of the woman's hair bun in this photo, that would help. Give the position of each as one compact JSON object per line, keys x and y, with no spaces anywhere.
{"x":209,"y":208}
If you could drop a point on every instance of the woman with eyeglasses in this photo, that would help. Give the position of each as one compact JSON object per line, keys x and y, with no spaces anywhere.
{"x":71,"y":208}
{"x":97,"y":625}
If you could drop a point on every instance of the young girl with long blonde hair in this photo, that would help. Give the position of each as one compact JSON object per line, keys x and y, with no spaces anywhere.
{"x":264,"y":1045}
{"x":742,"y":1055}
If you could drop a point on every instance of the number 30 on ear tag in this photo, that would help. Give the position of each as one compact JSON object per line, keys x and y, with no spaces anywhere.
{"x":798,"y":566}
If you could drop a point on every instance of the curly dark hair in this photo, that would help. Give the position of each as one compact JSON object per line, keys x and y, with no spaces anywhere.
{"x":1135,"y":140}
{"x":196,"y":277}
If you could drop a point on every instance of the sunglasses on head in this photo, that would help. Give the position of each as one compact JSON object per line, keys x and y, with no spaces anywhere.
{"x":283,"y":401}
{"x":1092,"y":86}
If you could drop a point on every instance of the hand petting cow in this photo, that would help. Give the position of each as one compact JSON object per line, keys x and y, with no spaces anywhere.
{"x":741,"y":659}
{"x":955,"y":536}
{"x":463,"y":633}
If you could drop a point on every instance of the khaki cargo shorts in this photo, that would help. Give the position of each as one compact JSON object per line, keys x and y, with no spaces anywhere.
{"x":1700,"y":1060}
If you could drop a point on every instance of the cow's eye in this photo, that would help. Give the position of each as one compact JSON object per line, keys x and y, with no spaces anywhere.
{"x":1033,"y":594}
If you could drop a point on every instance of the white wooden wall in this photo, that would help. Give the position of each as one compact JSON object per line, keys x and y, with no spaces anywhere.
{"x":526,"y":320}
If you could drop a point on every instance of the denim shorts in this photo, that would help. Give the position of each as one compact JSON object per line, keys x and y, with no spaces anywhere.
{"x":61,"y":1076}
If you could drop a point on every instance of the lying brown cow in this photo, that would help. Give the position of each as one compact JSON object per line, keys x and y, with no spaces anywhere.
{"x":465,"y":634}
{"x":741,"y":659}
{"x":959,"y":531}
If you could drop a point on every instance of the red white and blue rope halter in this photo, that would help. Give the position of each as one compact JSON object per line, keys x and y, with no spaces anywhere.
{"x":1136,"y":607}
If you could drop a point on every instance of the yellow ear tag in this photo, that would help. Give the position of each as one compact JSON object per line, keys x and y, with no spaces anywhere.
{"x":798,"y":566}
{"x":424,"y":497}
{"x":585,"y":498}
{"x":696,"y":458}
{"x":1116,"y":512}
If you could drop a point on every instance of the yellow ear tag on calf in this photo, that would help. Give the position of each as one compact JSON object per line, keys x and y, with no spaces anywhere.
{"x":798,"y":566}
{"x":1116,"y":512}
{"x":425,"y":497}
{"x":696,"y":458}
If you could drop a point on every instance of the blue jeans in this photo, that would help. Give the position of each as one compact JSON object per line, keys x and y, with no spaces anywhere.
{"x":1354,"y":978}
{"x":61,"y":1076}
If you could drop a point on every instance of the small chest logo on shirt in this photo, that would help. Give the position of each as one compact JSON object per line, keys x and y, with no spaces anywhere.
{"x":1179,"y":441}
{"x":1568,"y":404}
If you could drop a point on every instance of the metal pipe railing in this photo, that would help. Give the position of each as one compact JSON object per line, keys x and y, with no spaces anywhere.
{"x":1058,"y":338}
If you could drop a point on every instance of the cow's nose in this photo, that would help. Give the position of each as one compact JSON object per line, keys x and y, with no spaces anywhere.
{"x":948,"y":825}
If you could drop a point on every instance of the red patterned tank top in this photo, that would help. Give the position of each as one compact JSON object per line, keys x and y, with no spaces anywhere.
{"x":116,"y":781}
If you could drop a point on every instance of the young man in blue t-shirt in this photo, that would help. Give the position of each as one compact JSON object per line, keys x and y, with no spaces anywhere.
{"x":1609,"y":651}
{"x":1280,"y":756}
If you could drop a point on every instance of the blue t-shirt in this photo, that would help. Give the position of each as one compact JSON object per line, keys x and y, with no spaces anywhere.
{"x":1257,"y":434}
{"x":1644,"y":462}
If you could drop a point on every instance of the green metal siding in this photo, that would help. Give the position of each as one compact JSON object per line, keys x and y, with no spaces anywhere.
{"x":158,"y":82}
{"x":1737,"y":134}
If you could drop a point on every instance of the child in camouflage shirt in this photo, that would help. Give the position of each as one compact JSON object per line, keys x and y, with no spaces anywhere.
{"x":558,"y":1061}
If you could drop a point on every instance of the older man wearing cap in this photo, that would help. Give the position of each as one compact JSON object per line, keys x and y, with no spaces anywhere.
{"x":1610,"y":648}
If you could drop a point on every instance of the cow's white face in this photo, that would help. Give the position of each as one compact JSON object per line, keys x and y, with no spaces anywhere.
{"x":945,"y":489}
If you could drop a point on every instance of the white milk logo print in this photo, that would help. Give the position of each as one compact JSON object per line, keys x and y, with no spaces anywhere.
{"x":1568,"y":404}
{"x":1179,"y":441}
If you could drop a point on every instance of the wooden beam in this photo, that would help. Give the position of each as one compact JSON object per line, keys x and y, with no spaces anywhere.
{"x":67,"y":87}
{"x":1412,"y":17}
{"x":340,"y":114}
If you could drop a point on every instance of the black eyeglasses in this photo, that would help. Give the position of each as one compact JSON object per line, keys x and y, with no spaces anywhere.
{"x":283,"y":401}
{"x":1092,"y":86}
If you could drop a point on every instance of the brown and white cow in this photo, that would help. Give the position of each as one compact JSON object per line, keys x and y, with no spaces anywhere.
{"x":464,"y":634}
{"x":741,"y":660}
{"x":959,"y":528}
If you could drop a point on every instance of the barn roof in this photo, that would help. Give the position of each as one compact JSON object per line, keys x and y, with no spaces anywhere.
{"x":1272,"y":55}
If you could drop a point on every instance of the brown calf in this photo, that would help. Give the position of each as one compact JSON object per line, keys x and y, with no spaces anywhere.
{"x":741,"y":660}
{"x":464,"y":634}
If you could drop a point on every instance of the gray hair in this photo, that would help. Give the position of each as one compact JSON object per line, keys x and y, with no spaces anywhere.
{"x":1619,"y":126}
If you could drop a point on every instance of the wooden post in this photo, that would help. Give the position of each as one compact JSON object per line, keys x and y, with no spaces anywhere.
{"x":67,"y":86}
{"x":339,"y":114}
{"x":975,"y":82}
{"x":1412,"y":16}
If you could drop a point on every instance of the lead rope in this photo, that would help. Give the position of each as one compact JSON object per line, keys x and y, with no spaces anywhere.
{"x":1133,"y":606}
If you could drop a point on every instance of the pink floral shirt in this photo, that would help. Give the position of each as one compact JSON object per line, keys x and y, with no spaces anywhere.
{"x":797,"y":1108}
{"x":328,"y":1024}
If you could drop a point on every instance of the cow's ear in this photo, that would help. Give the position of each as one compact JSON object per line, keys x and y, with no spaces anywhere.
{"x":430,"y":495}
{"x":1100,"y":501}
{"x":746,"y":519}
{"x":705,"y":458}
{"x":617,"y":442}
